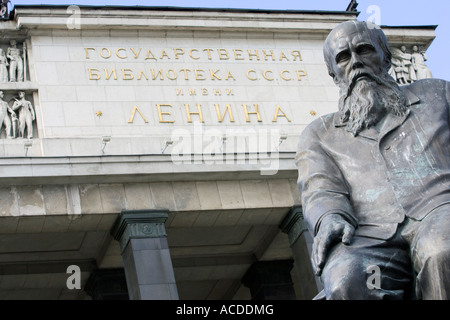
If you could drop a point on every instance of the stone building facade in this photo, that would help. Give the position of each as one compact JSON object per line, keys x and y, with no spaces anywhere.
{"x":148,"y":153}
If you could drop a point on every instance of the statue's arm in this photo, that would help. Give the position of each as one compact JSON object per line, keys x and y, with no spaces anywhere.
{"x":16,"y":105}
{"x":8,"y":54}
{"x":322,"y":186}
{"x":30,"y":107}
{"x":325,"y":197}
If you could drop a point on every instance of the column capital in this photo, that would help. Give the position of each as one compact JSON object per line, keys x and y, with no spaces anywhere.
{"x":139,"y":224}
{"x":293,"y":224}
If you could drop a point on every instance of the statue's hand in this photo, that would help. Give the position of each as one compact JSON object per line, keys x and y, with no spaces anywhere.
{"x":333,"y":228}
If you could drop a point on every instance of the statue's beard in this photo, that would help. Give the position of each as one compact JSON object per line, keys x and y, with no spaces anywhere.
{"x":367,"y":99}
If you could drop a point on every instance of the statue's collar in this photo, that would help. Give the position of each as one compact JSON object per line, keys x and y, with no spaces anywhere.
{"x":412,"y":98}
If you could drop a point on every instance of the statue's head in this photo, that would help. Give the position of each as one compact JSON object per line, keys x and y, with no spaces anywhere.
{"x":21,"y":94}
{"x":358,"y":59}
{"x":13,"y":42}
{"x":356,"y":46}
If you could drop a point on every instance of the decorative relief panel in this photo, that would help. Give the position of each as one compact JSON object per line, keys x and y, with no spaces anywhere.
{"x":13,"y":62}
{"x":409,"y":65}
{"x":17,"y":112}
{"x":17,"y":115}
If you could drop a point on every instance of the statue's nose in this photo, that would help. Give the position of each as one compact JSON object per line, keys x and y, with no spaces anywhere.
{"x":356,"y":62}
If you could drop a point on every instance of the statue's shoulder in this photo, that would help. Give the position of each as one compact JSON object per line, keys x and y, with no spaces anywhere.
{"x":321,"y":125}
{"x":426,"y":86}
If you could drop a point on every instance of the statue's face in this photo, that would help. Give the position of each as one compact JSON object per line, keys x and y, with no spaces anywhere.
{"x":354,"y":52}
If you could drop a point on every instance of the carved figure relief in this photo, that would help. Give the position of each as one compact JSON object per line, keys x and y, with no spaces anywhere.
{"x":402,"y":65}
{"x":409,"y":67}
{"x":418,"y":59}
{"x":16,"y":64}
{"x":13,"y":62}
{"x":4,"y":77}
{"x":26,"y":115}
{"x":5,"y":120}
{"x":17,"y":114}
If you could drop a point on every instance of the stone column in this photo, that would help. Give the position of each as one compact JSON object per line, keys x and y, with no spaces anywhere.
{"x":307,"y":284}
{"x":107,"y":284}
{"x":270,"y":280}
{"x":145,"y":253}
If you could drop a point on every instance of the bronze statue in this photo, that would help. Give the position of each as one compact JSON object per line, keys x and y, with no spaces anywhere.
{"x":375,"y":177}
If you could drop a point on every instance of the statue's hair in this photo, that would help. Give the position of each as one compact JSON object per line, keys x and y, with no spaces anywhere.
{"x":375,"y":33}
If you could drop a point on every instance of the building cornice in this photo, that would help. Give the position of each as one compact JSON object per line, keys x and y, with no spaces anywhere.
{"x":154,"y":18}
{"x":144,"y":168}
{"x":53,"y":17}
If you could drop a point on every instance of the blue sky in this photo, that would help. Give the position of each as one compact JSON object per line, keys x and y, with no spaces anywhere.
{"x":392,"y":13}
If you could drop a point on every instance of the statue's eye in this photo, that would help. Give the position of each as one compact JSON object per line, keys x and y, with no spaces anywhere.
{"x":365,"y":49}
{"x":343,"y":56}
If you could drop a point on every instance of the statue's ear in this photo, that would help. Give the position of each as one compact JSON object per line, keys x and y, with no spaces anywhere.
{"x":388,"y":63}
{"x":335,"y":79}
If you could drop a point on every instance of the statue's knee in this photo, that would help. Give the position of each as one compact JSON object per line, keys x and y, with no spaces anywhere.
{"x":339,"y":291}
{"x":433,"y":248}
{"x":344,"y":281}
{"x":436,"y":256}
